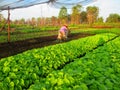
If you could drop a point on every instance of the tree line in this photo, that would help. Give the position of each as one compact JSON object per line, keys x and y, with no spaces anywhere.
{"x":77,"y":16}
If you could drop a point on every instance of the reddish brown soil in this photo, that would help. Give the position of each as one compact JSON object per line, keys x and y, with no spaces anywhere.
{"x":13,"y":48}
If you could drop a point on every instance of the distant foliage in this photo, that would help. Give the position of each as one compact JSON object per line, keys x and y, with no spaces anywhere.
{"x":113,"y":18}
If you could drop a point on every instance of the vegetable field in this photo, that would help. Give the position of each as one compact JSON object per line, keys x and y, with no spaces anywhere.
{"x":24,"y":33}
{"x":90,"y":63}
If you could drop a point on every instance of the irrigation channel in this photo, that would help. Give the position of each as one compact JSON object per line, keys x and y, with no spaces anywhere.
{"x":13,"y":48}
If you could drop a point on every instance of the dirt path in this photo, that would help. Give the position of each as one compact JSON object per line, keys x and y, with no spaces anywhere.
{"x":13,"y":48}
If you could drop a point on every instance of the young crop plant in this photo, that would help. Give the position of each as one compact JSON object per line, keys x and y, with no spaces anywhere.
{"x":97,"y":70}
{"x":22,"y":70}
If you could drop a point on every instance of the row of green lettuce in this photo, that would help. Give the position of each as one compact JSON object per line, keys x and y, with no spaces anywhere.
{"x":97,"y":70}
{"x":20,"y":71}
{"x":18,"y":35}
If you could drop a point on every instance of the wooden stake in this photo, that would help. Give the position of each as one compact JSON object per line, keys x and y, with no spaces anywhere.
{"x":8,"y":24}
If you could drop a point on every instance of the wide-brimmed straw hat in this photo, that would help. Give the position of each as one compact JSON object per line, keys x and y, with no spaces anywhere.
{"x":65,"y":25}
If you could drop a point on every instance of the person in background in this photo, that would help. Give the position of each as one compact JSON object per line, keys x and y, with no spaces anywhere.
{"x":63,"y":33}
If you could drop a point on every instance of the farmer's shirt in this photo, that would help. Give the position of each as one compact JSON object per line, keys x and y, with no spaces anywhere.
{"x":63,"y":29}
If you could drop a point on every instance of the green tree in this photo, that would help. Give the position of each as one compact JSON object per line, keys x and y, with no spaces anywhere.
{"x":54,"y":21}
{"x":38,"y":21}
{"x":47,"y":21}
{"x":63,"y":15}
{"x":69,"y":18}
{"x":113,"y":18}
{"x":22,"y":21}
{"x":2,"y":19}
{"x":92,"y":14}
{"x":33,"y":22}
{"x":3,"y":22}
{"x":75,"y":16}
{"x":83,"y":17}
{"x":100,"y":20}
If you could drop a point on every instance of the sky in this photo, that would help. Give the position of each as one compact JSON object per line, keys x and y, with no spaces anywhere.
{"x":106,"y":7}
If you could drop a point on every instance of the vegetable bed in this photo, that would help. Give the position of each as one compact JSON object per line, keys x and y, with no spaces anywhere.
{"x":21,"y":71}
{"x":97,"y":70}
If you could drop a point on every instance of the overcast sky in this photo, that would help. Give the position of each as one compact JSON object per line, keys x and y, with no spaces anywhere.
{"x":106,"y":7}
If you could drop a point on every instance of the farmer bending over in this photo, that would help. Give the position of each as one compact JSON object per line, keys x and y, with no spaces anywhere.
{"x":63,"y":33}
